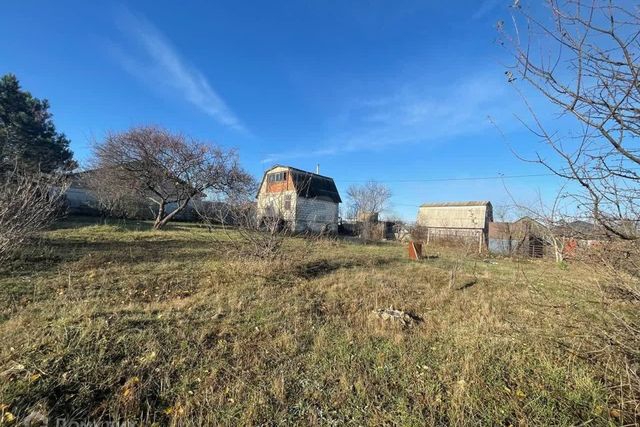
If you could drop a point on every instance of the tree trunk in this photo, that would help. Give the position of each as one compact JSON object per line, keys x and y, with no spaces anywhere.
{"x":557,"y":249}
{"x":160,"y":222}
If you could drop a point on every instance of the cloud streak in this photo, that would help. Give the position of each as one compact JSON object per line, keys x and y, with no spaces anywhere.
{"x":150,"y":57}
{"x":486,"y":7}
{"x":415,"y":114}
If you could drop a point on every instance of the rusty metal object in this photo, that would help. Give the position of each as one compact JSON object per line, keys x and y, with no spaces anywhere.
{"x":415,"y":251}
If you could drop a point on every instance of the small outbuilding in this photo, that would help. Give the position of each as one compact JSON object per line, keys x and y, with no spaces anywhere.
{"x":524,"y":237}
{"x":467,"y":221}
{"x":80,"y":199}
{"x":299,"y":200}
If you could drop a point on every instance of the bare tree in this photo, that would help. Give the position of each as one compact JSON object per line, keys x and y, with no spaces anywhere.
{"x":168,"y":169}
{"x":584,"y":58}
{"x":368,"y":199}
{"x":502,"y":213}
{"x":366,"y":202}
{"x":29,"y":202}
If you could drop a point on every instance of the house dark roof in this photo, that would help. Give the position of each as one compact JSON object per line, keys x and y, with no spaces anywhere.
{"x":578,"y":228}
{"x":311,"y":185}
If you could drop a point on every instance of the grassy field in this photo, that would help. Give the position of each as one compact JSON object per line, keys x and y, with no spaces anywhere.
{"x":118,"y":322}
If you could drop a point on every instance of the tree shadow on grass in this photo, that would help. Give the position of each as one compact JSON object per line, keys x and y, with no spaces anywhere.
{"x":466,"y":284}
{"x":319,"y":268}
{"x":47,"y":255}
{"x":76,"y":222}
{"x":323,"y":267}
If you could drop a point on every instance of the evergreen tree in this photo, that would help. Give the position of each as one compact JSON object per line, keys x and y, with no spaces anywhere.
{"x":28,"y":136}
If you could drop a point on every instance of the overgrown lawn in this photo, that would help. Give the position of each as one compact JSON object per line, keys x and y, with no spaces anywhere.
{"x":119,"y":322}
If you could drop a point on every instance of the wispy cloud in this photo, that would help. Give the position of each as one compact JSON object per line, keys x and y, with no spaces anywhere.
{"x":485,"y":8}
{"x":149,"y":56}
{"x":415,"y":114}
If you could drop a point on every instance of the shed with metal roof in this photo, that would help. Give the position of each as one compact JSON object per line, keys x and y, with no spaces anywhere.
{"x":466,"y":220}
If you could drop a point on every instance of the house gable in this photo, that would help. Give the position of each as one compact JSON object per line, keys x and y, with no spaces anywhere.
{"x":305,"y":184}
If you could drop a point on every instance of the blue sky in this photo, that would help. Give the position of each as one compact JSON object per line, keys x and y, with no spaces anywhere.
{"x":399,"y":92}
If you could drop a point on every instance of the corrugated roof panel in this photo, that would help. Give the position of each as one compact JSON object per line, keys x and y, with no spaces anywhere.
{"x":447,"y":204}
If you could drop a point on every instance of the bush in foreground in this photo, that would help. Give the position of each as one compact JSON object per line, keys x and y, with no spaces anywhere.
{"x":29,"y":202}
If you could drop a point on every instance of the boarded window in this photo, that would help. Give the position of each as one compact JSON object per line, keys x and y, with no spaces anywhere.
{"x":287,"y":202}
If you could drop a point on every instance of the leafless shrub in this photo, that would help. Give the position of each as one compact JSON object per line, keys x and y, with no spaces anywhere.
{"x":113,"y":200}
{"x":422,"y":234}
{"x":29,"y":202}
{"x":467,"y":250}
{"x":235,"y":213}
{"x":254,"y":232}
{"x":370,"y":231}
{"x":242,"y":229}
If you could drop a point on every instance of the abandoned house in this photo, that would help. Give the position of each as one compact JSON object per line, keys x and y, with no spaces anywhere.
{"x":528,"y":237}
{"x":524,"y":237}
{"x":298,"y":200}
{"x":464,"y":221}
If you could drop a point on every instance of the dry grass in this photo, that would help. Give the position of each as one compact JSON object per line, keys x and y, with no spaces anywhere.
{"x":118,"y":322}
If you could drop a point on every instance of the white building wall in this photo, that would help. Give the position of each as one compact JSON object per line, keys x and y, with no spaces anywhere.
{"x":471,"y":217}
{"x":316,"y":215}
{"x":272,"y":205}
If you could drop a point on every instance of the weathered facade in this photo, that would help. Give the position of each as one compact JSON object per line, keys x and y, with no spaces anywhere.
{"x":523,"y":237}
{"x":301,"y":200}
{"x":468,"y":221}
{"x":528,"y":237}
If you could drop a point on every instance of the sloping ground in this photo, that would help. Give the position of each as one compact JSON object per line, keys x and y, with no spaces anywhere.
{"x":123,"y":323}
